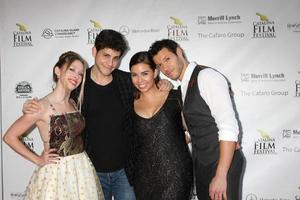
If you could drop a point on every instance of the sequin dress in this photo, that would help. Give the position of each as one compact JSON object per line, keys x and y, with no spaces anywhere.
{"x":73,"y":177}
{"x":163,"y":165}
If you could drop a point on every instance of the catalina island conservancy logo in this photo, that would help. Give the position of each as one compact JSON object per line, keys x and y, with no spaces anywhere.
{"x":60,"y":33}
{"x":93,"y":31}
{"x":177,"y":31}
{"x":47,"y":33}
{"x":263,"y":28}
{"x":22,"y":37}
{"x":265,"y":144}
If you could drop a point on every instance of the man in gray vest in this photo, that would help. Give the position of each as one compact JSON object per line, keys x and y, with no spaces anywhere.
{"x":210,"y":118}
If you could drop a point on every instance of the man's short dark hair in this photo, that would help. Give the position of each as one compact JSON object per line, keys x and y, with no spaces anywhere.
{"x":159,"y":45}
{"x":112,"y":39}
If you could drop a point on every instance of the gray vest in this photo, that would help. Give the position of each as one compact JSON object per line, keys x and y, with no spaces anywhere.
{"x":201,"y":125}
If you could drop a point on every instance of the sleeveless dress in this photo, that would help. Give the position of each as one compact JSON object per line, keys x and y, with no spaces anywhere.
{"x":163,"y":164}
{"x":73,"y":177}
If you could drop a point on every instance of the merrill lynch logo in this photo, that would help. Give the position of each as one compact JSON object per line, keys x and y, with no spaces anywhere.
{"x":221,"y":19}
{"x":253,"y":77}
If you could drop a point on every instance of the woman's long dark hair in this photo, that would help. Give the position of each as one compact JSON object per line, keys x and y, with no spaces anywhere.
{"x":142,"y":57}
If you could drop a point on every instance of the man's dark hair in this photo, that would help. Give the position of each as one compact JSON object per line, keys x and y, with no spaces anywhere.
{"x":159,"y":45}
{"x":112,"y":39}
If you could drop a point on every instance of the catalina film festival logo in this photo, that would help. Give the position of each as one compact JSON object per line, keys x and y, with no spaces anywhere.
{"x":23,"y":90}
{"x":93,"y":31}
{"x":265,"y":144}
{"x":263,"y":28}
{"x":28,"y":142}
{"x":177,"y":31}
{"x":22,"y":37}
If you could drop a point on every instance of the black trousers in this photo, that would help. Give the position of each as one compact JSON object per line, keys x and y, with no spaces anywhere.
{"x":204,"y":175}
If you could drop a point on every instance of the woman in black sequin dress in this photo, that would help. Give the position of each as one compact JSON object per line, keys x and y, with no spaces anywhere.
{"x":163,"y":165}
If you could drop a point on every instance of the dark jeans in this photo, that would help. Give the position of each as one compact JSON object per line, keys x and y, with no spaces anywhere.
{"x":115,"y":184}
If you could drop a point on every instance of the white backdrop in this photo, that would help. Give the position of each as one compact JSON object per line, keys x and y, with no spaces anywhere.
{"x":0,"y":122}
{"x":254,"y":43}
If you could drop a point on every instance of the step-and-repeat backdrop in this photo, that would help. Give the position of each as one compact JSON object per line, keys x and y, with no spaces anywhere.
{"x":256,"y":44}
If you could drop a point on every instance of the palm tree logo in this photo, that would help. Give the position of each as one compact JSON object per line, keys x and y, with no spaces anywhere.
{"x":95,"y":24}
{"x":262,"y":17}
{"x":22,"y":27}
{"x":176,"y":21}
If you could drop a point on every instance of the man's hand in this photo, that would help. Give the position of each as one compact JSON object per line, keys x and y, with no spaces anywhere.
{"x":218,"y":185}
{"x":31,"y":106}
{"x":217,"y":188}
{"x":165,"y":85}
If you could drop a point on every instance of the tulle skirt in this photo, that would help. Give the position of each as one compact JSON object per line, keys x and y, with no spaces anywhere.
{"x":72,"y":178}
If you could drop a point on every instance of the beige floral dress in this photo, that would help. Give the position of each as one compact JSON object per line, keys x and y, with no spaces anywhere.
{"x":74,"y":176}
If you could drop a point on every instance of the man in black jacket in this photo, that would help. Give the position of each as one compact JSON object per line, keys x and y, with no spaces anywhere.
{"x":107,"y":108}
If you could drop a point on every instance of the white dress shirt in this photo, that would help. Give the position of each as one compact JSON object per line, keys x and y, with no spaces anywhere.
{"x":214,"y":90}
